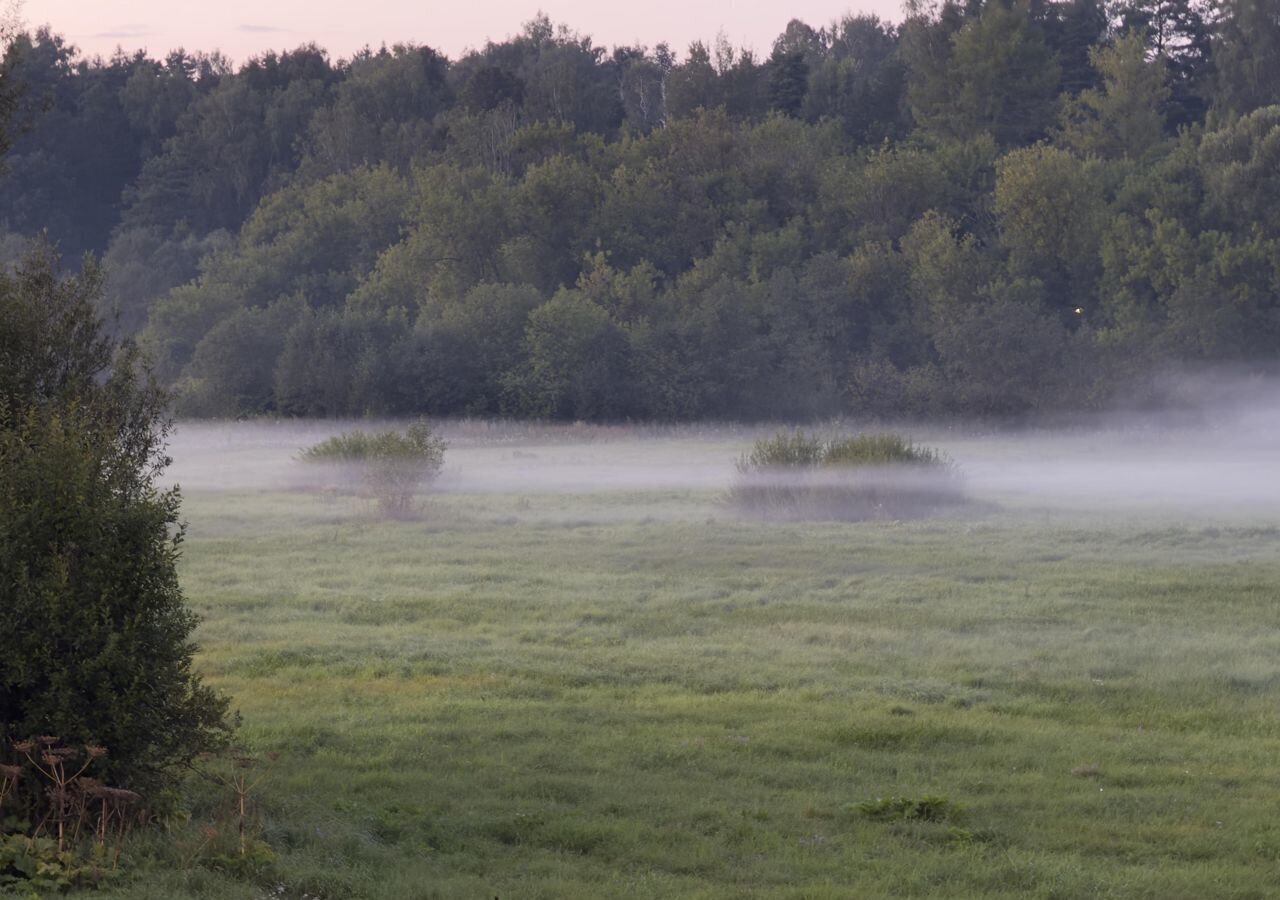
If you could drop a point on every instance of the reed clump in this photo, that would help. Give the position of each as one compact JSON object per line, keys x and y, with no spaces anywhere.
{"x":793,"y":475}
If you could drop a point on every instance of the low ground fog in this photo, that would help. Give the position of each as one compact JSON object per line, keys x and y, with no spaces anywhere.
{"x":1217,"y":456}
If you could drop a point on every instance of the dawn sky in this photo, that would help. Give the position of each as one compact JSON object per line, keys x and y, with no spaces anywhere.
{"x":241,"y":28}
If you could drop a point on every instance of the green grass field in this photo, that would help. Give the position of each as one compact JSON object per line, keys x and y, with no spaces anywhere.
{"x":635,"y":695}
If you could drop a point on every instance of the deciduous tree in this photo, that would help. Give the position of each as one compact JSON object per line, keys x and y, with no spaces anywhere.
{"x":97,"y":636}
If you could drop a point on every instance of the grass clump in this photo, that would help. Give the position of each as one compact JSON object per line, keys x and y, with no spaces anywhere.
{"x":908,"y":809}
{"x":866,"y":476}
{"x":390,"y":465}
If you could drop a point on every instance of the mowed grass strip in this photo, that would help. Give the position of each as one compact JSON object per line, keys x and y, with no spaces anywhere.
{"x":601,"y":696}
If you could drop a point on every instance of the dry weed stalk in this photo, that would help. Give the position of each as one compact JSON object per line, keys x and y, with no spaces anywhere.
{"x":113,"y":806}
{"x":75,"y":799}
{"x":242,"y":781}
{"x":56,"y":765}
{"x":9,"y":776}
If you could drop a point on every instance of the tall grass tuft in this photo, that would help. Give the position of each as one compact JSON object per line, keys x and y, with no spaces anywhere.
{"x":391,"y":465}
{"x":866,"y":476}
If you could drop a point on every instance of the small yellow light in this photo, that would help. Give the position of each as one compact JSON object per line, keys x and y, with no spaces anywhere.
{"x":1079,"y":310}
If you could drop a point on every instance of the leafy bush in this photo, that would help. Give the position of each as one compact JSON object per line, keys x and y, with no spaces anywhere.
{"x":36,"y":864}
{"x":96,"y":635}
{"x":390,"y":465}
{"x":868,"y":476}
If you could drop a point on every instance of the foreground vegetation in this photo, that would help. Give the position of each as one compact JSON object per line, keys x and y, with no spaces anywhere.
{"x":636,"y":695}
{"x":99,"y":705}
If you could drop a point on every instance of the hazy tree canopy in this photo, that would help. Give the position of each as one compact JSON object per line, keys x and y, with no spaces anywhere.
{"x":1179,"y":34}
{"x":1246,"y":55}
{"x":788,"y":82}
{"x":993,"y":75}
{"x":8,"y":84}
{"x":1124,"y":117}
{"x":995,"y":207}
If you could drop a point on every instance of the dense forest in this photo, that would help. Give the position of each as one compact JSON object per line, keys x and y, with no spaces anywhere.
{"x":994,"y":207}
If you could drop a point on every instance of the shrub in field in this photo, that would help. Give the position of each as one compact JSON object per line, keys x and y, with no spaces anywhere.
{"x":868,"y":476}
{"x":391,"y":465}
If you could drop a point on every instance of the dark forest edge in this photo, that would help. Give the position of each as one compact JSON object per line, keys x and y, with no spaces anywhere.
{"x":990,"y":209}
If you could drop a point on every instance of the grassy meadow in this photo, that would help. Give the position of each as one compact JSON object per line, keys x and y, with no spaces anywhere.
{"x":626,"y":692}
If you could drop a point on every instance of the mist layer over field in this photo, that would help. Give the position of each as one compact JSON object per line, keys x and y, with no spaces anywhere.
{"x":1222,"y":457}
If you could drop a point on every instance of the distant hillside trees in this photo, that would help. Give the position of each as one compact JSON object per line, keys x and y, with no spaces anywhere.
{"x":9,"y":27}
{"x":994,"y":207}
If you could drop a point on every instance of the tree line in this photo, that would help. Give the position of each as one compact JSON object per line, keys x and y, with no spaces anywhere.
{"x":994,"y":207}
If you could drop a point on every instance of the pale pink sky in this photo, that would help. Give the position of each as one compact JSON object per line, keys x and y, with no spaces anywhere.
{"x":241,"y":28}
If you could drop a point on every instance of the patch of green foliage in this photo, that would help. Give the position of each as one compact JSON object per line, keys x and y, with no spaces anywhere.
{"x":96,"y":632}
{"x":868,"y":476}
{"x":35,"y":864}
{"x":880,"y":449}
{"x":392,"y":465}
{"x":908,"y":809}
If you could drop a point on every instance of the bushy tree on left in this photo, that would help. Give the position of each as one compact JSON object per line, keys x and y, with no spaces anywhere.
{"x":96,"y":634}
